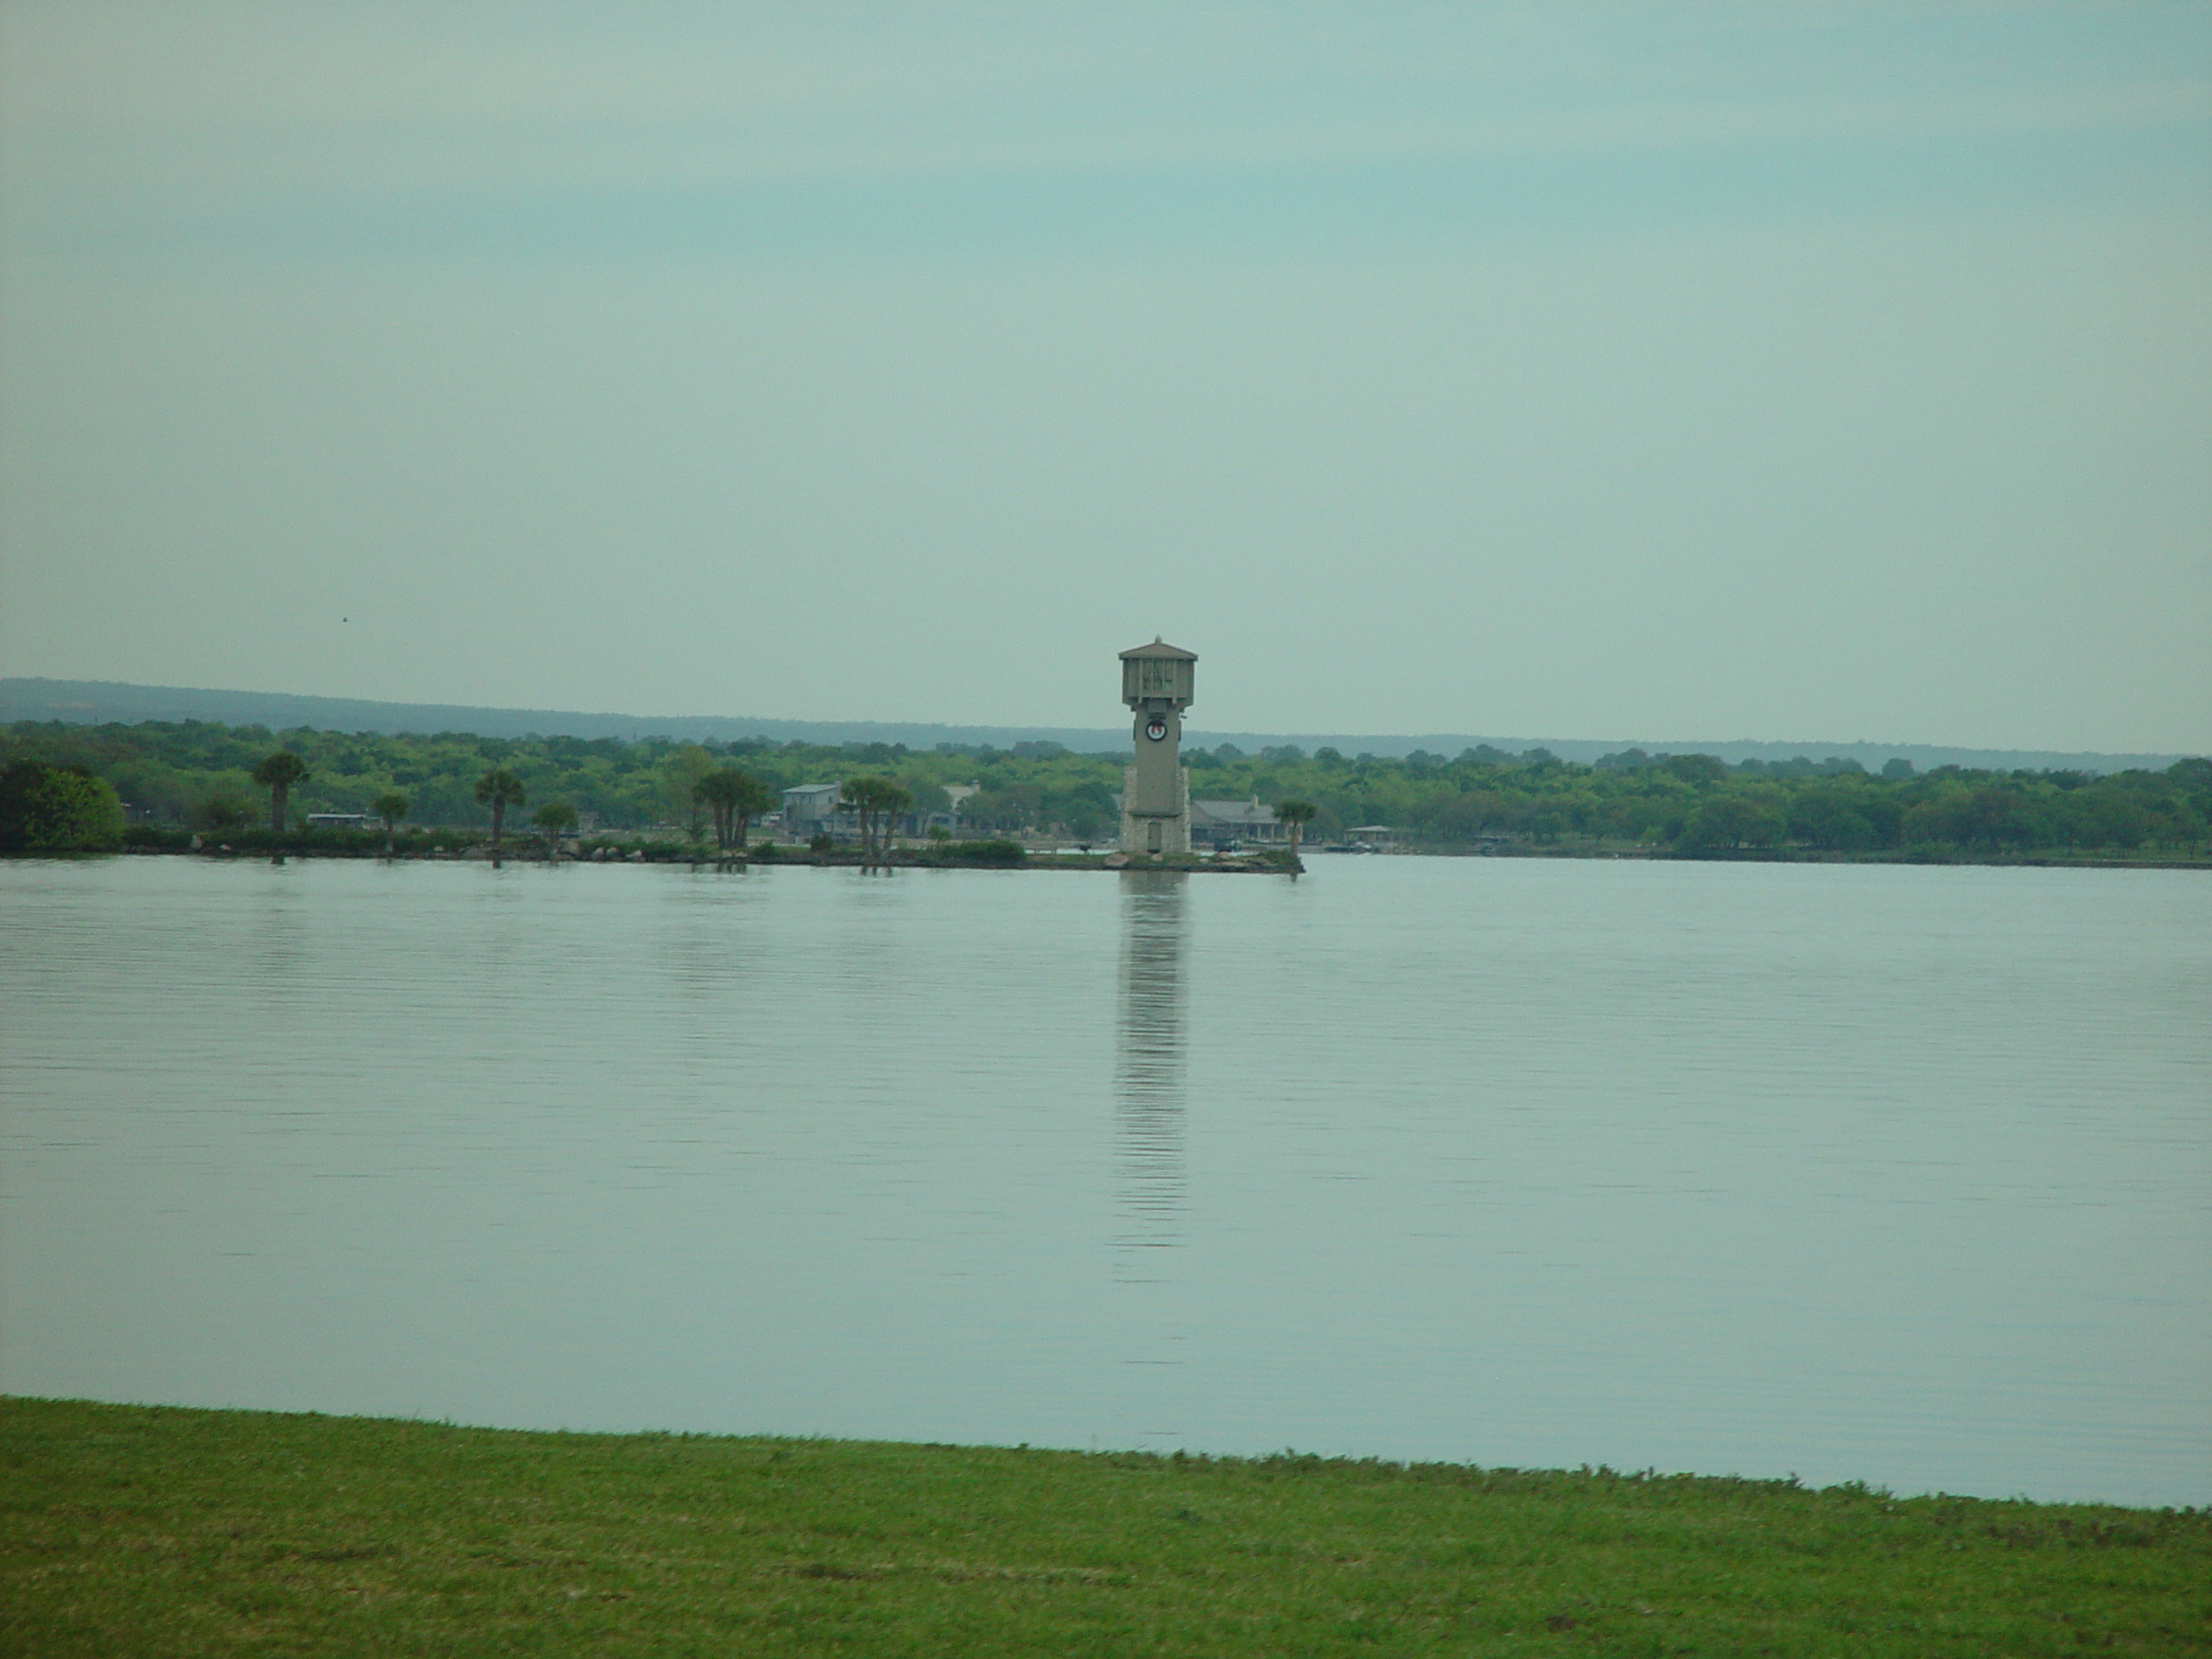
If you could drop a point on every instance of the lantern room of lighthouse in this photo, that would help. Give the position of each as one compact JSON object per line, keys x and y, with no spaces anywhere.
{"x":1156,"y":684}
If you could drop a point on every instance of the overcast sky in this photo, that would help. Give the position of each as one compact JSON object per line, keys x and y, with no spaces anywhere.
{"x":1638,"y":371}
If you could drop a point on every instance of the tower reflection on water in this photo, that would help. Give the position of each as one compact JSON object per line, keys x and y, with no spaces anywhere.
{"x":1148,"y":1075}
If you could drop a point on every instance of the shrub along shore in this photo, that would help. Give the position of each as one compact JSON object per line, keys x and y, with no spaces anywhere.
{"x":146,"y":1530}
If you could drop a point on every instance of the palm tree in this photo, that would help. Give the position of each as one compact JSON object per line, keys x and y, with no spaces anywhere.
{"x":277,"y":774}
{"x":500,"y":789}
{"x":756,"y":800}
{"x":392,"y":807}
{"x":1296,"y":814}
{"x":737,"y":798}
{"x":876,"y":801}
{"x":553,"y":819}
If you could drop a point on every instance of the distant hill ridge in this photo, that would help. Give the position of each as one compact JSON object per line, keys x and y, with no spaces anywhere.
{"x":98,"y":703}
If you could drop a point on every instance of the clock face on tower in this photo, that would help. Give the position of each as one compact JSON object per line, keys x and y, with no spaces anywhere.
{"x":1155,"y":728}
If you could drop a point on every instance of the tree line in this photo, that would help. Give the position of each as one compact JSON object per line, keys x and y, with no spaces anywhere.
{"x":208,"y":777}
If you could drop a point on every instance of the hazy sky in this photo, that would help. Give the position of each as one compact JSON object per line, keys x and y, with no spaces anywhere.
{"x":1638,"y":371}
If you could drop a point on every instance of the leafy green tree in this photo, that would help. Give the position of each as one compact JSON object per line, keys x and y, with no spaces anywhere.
{"x":1296,"y":814}
{"x":500,"y":789}
{"x":1991,"y":817}
{"x":1994,"y":818}
{"x":874,"y":802}
{"x":1004,"y":806}
{"x":554,"y":820}
{"x":221,"y":812}
{"x":1931,"y":821}
{"x":49,"y":809}
{"x":681,"y":774}
{"x":1727,"y":821}
{"x":1695,"y":768}
{"x":1083,"y":809}
{"x":736,"y":798}
{"x":1829,"y":816}
{"x":928,"y":794}
{"x":277,"y":773}
{"x":392,"y":807}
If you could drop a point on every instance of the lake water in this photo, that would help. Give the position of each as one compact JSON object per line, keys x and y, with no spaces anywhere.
{"x":1857,"y":1172}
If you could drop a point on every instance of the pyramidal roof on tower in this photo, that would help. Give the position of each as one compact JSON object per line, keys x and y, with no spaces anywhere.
{"x":1160,"y":648}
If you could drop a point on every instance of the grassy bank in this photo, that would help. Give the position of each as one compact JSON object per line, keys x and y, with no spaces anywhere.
{"x":132,"y":1530}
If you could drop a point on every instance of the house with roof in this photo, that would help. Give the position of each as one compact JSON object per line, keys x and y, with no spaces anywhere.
{"x":811,"y":810}
{"x":1217,"y":824}
{"x":1214,"y":822}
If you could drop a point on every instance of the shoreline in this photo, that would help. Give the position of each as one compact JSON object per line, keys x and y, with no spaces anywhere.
{"x":1271,"y":863}
{"x":901,"y":860}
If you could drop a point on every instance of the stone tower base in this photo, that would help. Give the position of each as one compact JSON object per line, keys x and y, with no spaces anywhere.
{"x":1174,"y":834}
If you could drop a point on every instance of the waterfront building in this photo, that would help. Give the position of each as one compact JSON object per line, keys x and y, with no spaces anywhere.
{"x":811,"y":810}
{"x":1217,"y":824}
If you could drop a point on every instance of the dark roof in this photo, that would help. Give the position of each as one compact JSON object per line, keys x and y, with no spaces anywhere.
{"x":1158,"y":649}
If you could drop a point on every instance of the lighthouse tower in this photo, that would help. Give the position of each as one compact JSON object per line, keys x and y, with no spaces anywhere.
{"x":1156,"y":682}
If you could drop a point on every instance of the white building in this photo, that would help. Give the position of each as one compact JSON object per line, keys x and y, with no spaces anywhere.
{"x":1213,"y":822}
{"x":811,"y":808}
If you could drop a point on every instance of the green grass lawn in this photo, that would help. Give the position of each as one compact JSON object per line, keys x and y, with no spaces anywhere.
{"x":152,"y":1530}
